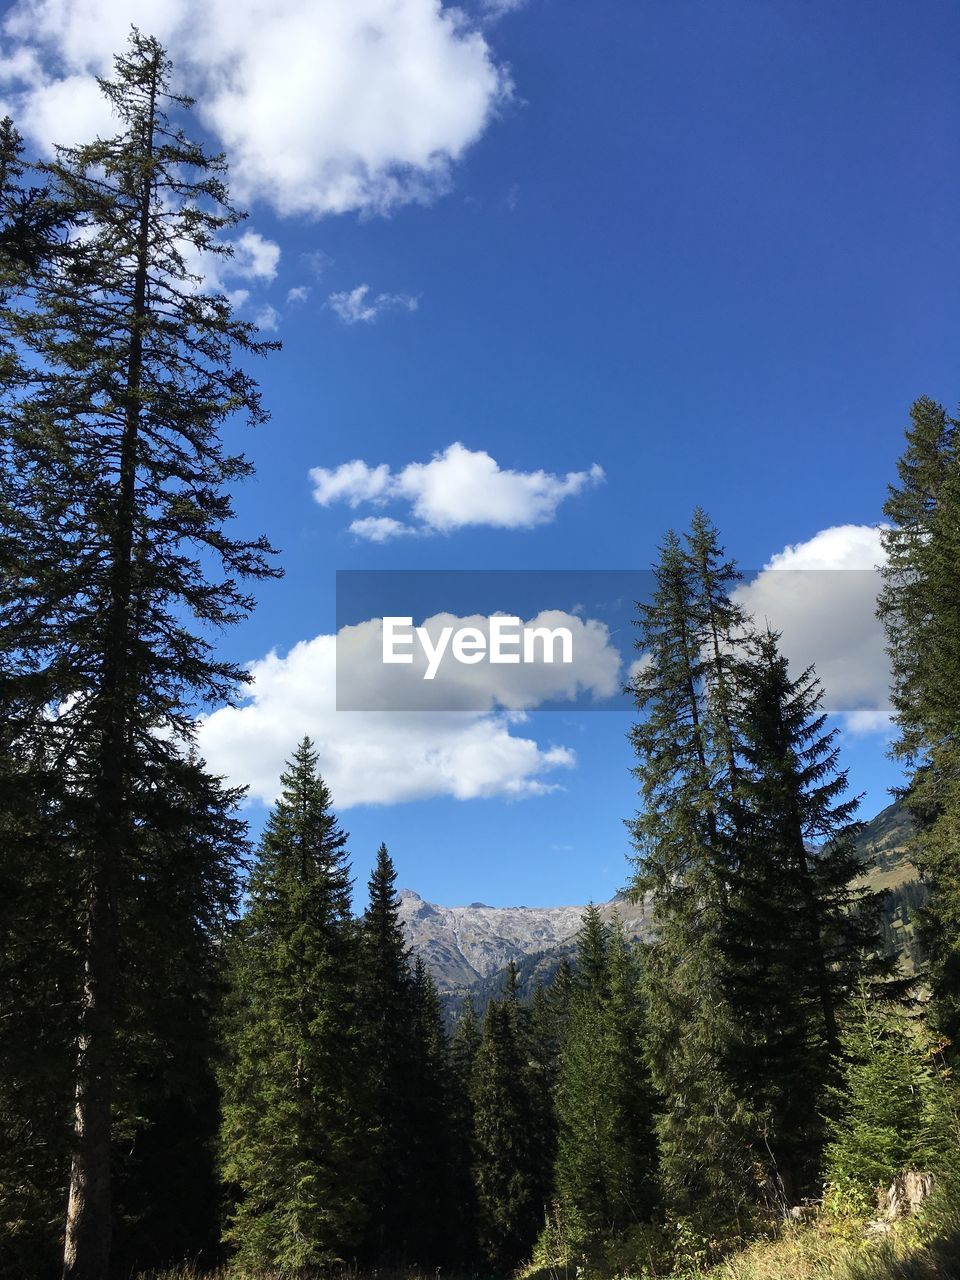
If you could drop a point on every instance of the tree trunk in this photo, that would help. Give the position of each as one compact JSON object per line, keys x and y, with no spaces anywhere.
{"x":89,"y":1210}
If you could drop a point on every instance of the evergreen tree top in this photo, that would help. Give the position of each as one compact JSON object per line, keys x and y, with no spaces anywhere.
{"x":303,"y":843}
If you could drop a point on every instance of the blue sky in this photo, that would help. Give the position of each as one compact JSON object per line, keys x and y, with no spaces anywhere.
{"x":711,"y":248}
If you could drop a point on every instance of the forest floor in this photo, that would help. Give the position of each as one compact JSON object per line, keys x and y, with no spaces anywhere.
{"x":917,"y":1248}
{"x":823,"y":1250}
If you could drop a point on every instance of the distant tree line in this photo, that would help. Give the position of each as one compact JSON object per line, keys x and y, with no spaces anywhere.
{"x":204,"y":1053}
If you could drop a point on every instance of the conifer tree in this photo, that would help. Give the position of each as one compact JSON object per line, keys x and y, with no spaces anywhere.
{"x":895,"y":1109}
{"x":434,"y":1234}
{"x":390,"y":1047}
{"x":685,"y":834}
{"x":464,"y":1046}
{"x":293,"y":1141}
{"x":801,"y":929}
{"x":33,"y":232}
{"x":462,"y":1056}
{"x":169,"y":1001}
{"x":919,"y":606}
{"x":39,"y":976}
{"x":747,"y":846}
{"x":605,"y":1174}
{"x":114,"y":553}
{"x":510,"y":1205}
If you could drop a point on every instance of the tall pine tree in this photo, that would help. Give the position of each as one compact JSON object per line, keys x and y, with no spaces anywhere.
{"x":919,"y":605}
{"x":115,"y":555}
{"x":802,"y":928}
{"x":685,"y":835}
{"x":747,"y":847}
{"x":508,"y":1162}
{"x":293,"y":1141}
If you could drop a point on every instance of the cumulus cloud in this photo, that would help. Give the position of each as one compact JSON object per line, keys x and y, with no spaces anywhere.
{"x":323,"y":107}
{"x":383,"y":756}
{"x":353,"y":482}
{"x":254,"y":257}
{"x":299,"y":293}
{"x":360,"y":306}
{"x":457,"y":487}
{"x":821,"y":595}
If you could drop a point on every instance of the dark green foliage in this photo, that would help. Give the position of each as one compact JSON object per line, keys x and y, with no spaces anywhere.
{"x":509,"y":1163}
{"x":410,"y":1149}
{"x":437,"y":1172}
{"x":293,"y":1139}
{"x":801,"y":928}
{"x":169,"y":997}
{"x":387,"y":1012}
{"x":39,"y":980}
{"x":920,"y":608}
{"x":606,"y":1162}
{"x":462,"y":1055}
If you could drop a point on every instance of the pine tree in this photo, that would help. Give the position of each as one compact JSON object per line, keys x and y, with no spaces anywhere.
{"x":39,"y":978}
{"x":801,"y":929}
{"x":170,"y":991}
{"x":686,"y":836}
{"x":293,"y":1141}
{"x":919,"y":605}
{"x":605,"y":1174}
{"x":896,"y":1111}
{"x":506,"y":1160}
{"x":462,"y":1056}
{"x":113,"y":546}
{"x":434,"y":1234}
{"x":33,"y":230}
{"x":407,"y":1113}
{"x":388,"y":1013}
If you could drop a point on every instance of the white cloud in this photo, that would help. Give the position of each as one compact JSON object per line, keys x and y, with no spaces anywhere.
{"x":455,"y":488}
{"x":822,"y":594}
{"x":381,"y":528}
{"x":322,"y":106}
{"x":497,"y":8}
{"x":267,"y":319}
{"x":317,"y":262}
{"x":254,"y":257}
{"x":392,"y":756}
{"x":254,"y":260}
{"x":359,"y":306}
{"x":353,"y":483}
{"x":300,"y":293}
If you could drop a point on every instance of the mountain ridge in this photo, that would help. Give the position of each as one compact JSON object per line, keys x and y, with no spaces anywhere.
{"x":467,"y":948}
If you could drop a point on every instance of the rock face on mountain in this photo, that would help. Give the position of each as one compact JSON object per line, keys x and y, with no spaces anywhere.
{"x":468,"y":948}
{"x":463,"y":946}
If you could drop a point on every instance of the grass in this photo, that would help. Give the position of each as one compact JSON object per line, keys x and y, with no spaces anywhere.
{"x":925,"y":1248}
{"x":915,"y":1249}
